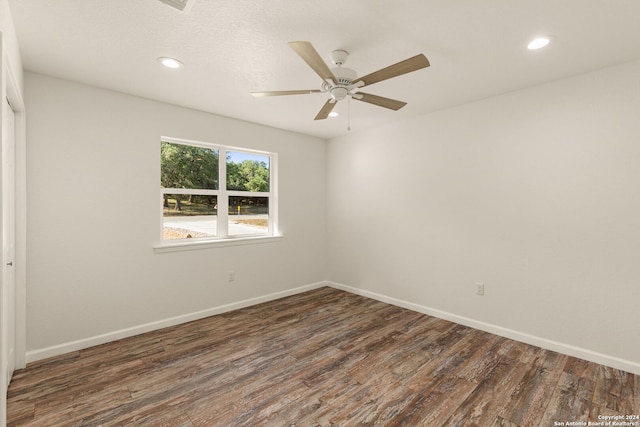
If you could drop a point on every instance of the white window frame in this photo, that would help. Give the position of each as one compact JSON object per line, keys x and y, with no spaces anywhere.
{"x":222,"y":237}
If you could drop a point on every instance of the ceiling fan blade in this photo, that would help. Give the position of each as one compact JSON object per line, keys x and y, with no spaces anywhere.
{"x":310,"y":55}
{"x":380,"y":101}
{"x":285,"y":92}
{"x":403,"y":67}
{"x":326,"y":109}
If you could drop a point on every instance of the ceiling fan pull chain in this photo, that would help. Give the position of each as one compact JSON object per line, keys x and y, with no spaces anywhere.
{"x":349,"y":114}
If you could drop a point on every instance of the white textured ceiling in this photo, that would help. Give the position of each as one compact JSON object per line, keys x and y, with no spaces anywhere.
{"x":477,"y":48}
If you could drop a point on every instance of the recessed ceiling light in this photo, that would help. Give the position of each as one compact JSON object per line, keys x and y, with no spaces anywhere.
{"x":170,"y":62}
{"x":333,"y":114}
{"x":538,"y":43}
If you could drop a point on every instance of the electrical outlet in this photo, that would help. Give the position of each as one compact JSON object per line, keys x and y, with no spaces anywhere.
{"x":231,"y":276}
{"x":479,"y":288}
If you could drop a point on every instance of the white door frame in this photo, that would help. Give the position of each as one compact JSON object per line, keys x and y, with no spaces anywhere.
{"x":8,"y":237}
{"x":14,"y":95}
{"x":10,"y":89}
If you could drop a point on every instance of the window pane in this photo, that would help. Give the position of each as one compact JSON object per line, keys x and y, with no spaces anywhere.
{"x":187,"y":216}
{"x":247,"y":171}
{"x":188,"y":166}
{"x":248,"y":215}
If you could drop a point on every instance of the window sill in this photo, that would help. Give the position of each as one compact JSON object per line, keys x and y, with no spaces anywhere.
{"x":192,"y":246}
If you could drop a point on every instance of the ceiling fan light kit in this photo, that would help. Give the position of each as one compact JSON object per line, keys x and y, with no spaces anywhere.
{"x":342,"y":82}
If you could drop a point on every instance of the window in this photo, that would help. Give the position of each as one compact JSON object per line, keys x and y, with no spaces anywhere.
{"x":215,"y":192}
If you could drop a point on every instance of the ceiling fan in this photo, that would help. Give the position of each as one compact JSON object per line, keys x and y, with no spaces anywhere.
{"x":342,"y":82}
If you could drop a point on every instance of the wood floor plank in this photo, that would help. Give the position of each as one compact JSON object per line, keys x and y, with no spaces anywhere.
{"x":581,"y":368}
{"x":435,"y":404}
{"x":492,"y":394}
{"x":596,"y":411}
{"x":571,"y":400}
{"x":614,"y":390}
{"x":636,"y":396}
{"x":333,"y":397}
{"x":442,"y":359}
{"x":320,"y":358}
{"x":531,"y":396}
{"x":501,"y":422}
{"x":483,"y":360}
{"x":23,"y":413}
{"x":160,"y":419}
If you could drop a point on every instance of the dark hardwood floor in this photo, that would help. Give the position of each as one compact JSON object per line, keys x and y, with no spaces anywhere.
{"x":321,"y":358}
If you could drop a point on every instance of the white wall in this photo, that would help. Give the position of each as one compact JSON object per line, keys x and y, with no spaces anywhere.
{"x":93,"y":161}
{"x":535,"y":193}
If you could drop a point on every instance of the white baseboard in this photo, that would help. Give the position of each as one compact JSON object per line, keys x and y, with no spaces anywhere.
{"x":567,"y":349}
{"x":570,"y":350}
{"x":68,"y":347}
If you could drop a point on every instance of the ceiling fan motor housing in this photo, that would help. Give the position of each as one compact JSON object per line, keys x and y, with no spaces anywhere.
{"x":344,"y":76}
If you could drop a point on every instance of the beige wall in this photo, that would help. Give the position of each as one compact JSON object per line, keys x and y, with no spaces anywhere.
{"x":93,"y":161}
{"x":534,"y":193}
